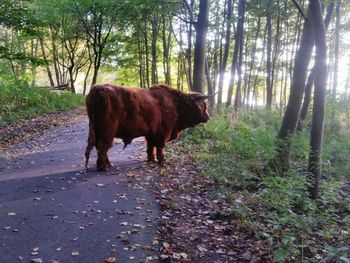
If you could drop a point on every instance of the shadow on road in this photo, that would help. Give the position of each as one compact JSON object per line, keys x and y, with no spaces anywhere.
{"x":51,"y":208}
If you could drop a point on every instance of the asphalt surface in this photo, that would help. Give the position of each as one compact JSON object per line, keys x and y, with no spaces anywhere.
{"x":52,"y":209}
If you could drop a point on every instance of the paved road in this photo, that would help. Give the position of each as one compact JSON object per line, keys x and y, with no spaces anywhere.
{"x":51,"y":209}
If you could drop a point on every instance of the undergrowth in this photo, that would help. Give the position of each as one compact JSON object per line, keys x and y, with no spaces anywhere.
{"x":277,"y":207}
{"x":19,"y":102}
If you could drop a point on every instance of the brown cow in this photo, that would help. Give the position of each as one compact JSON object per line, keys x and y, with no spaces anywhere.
{"x":159,"y":113}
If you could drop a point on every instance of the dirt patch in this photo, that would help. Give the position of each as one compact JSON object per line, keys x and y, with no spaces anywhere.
{"x":27,"y":129}
{"x":197,"y":223}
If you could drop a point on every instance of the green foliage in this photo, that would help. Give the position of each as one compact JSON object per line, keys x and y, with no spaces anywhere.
{"x":18,"y":101}
{"x":277,"y":207}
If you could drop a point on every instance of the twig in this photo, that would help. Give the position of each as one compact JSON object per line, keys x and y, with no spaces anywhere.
{"x":186,"y":21}
{"x":300,"y":9}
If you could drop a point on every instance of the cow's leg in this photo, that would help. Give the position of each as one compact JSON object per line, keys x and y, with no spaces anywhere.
{"x":150,"y":150}
{"x":103,"y":163}
{"x":105,"y":141}
{"x":160,"y":154}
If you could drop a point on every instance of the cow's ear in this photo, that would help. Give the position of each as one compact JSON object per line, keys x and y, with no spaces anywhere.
{"x":203,"y":97}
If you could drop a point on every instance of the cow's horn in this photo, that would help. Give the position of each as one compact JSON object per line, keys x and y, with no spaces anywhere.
{"x":205,"y":97}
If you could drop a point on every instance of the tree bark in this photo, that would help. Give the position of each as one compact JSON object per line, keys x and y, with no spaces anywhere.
{"x":189,"y":45}
{"x":276,"y":53}
{"x":154,"y":49}
{"x":310,"y":80}
{"x":34,"y":54}
{"x":268,"y":57}
{"x":238,"y":37}
{"x":210,"y":87}
{"x":223,"y":64}
{"x":336,"y":50}
{"x":316,"y":138}
{"x":291,"y":116}
{"x":252,"y":58}
{"x":200,"y":46}
{"x":347,"y":82}
{"x":254,"y":97}
{"x":146,"y":53}
{"x":238,"y":97}
{"x":166,"y":50}
{"x":49,"y":74}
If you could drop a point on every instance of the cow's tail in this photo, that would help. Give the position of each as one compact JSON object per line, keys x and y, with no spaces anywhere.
{"x":91,"y":142}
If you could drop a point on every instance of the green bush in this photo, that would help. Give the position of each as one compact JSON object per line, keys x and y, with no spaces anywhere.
{"x":22,"y":102}
{"x":277,"y":207}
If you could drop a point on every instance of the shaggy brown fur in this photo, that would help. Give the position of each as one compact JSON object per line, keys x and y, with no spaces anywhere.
{"x":159,"y":113}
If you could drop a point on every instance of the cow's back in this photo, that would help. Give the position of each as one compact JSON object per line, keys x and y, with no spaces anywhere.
{"x":131,"y":112}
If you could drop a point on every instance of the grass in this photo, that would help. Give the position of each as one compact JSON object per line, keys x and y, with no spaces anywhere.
{"x":17,"y":103}
{"x":277,"y":207}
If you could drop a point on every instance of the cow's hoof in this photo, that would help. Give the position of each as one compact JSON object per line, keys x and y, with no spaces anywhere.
{"x":151,"y":160}
{"x":103,"y":167}
{"x":161,"y":163}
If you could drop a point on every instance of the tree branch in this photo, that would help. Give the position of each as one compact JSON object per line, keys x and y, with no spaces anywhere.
{"x":301,"y":11}
{"x":183,"y":20}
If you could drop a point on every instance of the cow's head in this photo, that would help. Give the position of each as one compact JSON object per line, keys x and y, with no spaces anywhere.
{"x":199,"y":108}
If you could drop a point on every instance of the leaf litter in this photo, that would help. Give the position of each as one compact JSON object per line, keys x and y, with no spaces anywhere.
{"x":189,"y":228}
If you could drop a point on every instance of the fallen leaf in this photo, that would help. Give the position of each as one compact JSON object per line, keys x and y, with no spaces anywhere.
{"x":247,"y":255}
{"x":75,"y":253}
{"x":165,"y":244}
{"x":184,"y":255}
{"x":201,"y":248}
{"x":110,"y":260}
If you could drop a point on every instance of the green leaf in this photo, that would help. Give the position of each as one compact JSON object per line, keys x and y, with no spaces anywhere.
{"x":345,"y":259}
{"x":280,"y":254}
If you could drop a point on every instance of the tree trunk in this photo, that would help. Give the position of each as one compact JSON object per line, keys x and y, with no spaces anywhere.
{"x":316,"y":138}
{"x":254,"y":97}
{"x":200,"y":46}
{"x":310,"y":80}
{"x":252,"y":58}
{"x":210,"y":87}
{"x":223,"y":64}
{"x":275,"y":53}
{"x":268,"y":57}
{"x":347,"y":82}
{"x":336,"y":50}
{"x":49,"y":74}
{"x":146,"y":54}
{"x":34,"y":54}
{"x":238,"y":97}
{"x":86,"y":76}
{"x":141,"y":61}
{"x":166,"y":50}
{"x":291,"y":116}
{"x":189,"y":46}
{"x":238,"y":36}
{"x":154,"y":49}
{"x":97,"y":65}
